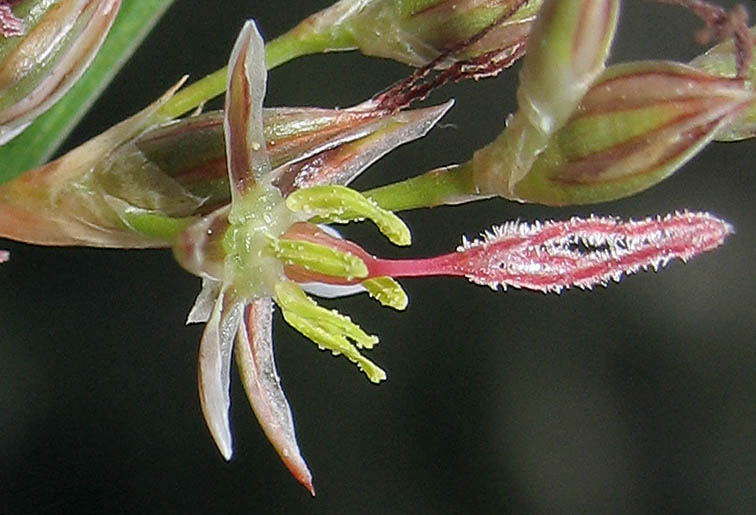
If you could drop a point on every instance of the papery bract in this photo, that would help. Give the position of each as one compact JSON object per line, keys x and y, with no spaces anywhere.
{"x":56,"y":204}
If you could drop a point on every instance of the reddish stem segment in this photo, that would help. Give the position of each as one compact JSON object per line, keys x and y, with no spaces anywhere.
{"x":721,"y":25}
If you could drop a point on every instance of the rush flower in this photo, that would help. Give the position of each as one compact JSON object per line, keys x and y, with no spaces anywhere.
{"x":263,"y":249}
{"x":239,"y":252}
{"x":245,"y":197}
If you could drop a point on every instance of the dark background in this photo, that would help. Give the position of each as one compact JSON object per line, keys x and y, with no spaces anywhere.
{"x":633,"y":398}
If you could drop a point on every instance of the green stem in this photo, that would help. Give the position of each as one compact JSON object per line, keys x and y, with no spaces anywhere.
{"x":297,"y":42}
{"x":196,"y":94}
{"x":434,"y":188}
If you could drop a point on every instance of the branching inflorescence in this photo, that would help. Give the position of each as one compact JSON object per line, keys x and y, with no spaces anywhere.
{"x":242,"y":195}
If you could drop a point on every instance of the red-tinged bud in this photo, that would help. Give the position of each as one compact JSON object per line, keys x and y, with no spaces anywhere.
{"x":636,"y":126}
{"x":58,"y":43}
{"x":419,"y":32}
{"x":567,"y":51}
{"x":179,"y":169}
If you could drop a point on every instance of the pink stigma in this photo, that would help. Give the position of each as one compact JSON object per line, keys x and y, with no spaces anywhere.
{"x":551,"y":256}
{"x":10,"y":24}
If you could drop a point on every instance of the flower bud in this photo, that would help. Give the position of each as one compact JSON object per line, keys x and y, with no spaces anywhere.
{"x":416,"y":32}
{"x":59,"y":41}
{"x":567,"y":51}
{"x":121,"y":190}
{"x":637,"y":125}
{"x":66,"y":202}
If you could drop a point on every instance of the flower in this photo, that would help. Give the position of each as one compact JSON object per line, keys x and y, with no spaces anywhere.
{"x":263,"y":249}
{"x":239,"y":252}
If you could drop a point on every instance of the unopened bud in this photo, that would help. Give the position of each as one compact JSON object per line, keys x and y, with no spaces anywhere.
{"x":637,"y":125}
{"x":59,"y":41}
{"x":417,"y":32}
{"x":67,"y":202}
{"x":179,"y":168}
{"x":566,"y":53}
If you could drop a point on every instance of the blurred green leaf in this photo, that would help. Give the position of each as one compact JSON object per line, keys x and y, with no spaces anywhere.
{"x":46,"y":134}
